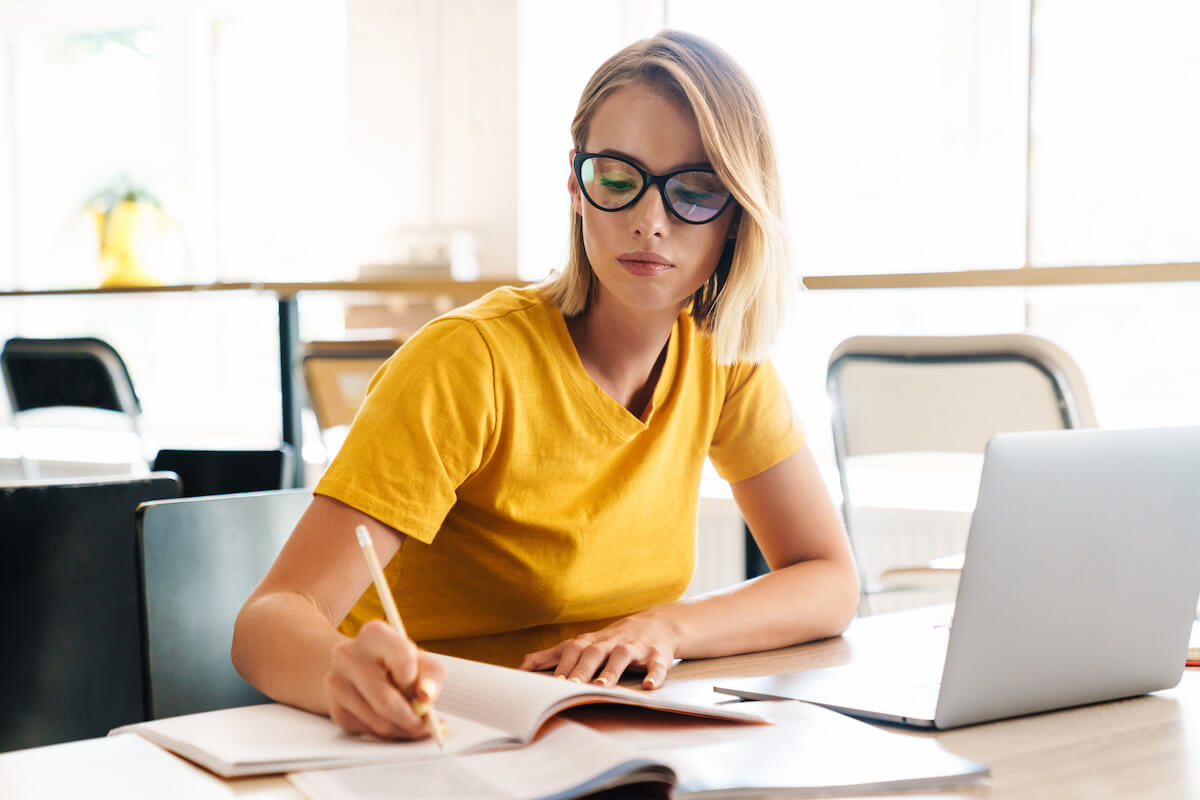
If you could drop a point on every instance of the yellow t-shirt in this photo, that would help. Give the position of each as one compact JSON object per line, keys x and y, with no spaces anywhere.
{"x":536,"y":506}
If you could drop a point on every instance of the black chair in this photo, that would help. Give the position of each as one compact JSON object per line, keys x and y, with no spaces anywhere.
{"x":209,"y":472}
{"x":68,"y":373}
{"x":85,"y":372}
{"x":69,"y":599}
{"x":199,"y":559}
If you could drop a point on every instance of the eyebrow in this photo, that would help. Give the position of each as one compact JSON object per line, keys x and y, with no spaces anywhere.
{"x":608,"y":151}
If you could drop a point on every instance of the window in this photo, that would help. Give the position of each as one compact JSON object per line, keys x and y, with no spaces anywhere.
{"x":232,"y":116}
{"x":902,"y":131}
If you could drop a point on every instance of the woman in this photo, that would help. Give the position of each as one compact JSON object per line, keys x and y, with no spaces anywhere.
{"x":528,"y":466}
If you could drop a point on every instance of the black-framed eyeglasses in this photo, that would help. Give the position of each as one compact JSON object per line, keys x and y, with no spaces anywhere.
{"x":611,"y":183}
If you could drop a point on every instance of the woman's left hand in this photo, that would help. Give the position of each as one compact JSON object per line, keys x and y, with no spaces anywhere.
{"x":643,"y":640}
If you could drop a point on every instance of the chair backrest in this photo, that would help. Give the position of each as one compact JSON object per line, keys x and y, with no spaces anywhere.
{"x":209,"y":472}
{"x":912,"y":416}
{"x":199,"y":560}
{"x":336,"y":375}
{"x":84,"y":372}
{"x":69,"y":598}
{"x":950,"y":393}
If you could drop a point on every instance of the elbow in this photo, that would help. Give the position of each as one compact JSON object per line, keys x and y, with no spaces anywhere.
{"x":842,"y":599}
{"x":239,"y":649}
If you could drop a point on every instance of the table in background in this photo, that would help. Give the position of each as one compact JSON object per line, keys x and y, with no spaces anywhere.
{"x":1143,"y":747}
{"x":291,"y":386}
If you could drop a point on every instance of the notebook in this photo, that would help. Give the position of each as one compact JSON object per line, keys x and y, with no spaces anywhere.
{"x":1079,"y":585}
{"x":484,"y":707}
{"x":808,"y":751}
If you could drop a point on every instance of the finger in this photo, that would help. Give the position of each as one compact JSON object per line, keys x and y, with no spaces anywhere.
{"x":656,"y":669}
{"x":387,"y":702}
{"x":432,"y":678}
{"x":364,"y":684}
{"x":542,"y":659}
{"x":338,"y":712}
{"x":572,"y":649}
{"x":618,"y":661}
{"x":354,"y":713}
{"x":590,"y":660}
{"x":397,"y":654}
{"x":347,"y":721}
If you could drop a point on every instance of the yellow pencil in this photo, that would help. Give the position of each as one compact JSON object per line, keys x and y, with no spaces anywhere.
{"x":432,"y":723}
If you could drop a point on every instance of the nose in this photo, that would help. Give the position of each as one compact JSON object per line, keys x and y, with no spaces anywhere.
{"x":650,"y":215}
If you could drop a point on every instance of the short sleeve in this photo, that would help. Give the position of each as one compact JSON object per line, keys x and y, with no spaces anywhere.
{"x":422,"y":430}
{"x":755,"y":429}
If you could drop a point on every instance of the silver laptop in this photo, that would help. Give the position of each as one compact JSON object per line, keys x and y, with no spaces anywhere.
{"x":1079,"y":585}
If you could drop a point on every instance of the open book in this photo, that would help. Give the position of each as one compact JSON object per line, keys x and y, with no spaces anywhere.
{"x":811,"y":751}
{"x":485,"y":707}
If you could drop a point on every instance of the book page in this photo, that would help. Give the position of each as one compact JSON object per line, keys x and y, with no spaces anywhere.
{"x":519,"y":702}
{"x":276,"y":738}
{"x":808,"y":750}
{"x":566,"y":761}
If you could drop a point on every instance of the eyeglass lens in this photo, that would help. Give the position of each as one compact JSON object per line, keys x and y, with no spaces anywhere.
{"x":613,"y":184}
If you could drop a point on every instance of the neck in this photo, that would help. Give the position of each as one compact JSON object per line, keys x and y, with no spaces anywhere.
{"x":622,"y":350}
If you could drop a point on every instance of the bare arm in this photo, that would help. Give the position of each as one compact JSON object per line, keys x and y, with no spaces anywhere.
{"x":812,"y":589}
{"x":811,"y":592}
{"x":286,"y":643}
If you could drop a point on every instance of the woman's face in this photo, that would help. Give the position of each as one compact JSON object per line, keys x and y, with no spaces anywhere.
{"x":643,"y":256}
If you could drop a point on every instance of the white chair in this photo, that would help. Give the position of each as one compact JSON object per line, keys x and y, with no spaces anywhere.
{"x":911,"y":418}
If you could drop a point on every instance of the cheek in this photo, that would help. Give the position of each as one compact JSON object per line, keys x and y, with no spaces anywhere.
{"x":708,"y":247}
{"x":597,"y":230}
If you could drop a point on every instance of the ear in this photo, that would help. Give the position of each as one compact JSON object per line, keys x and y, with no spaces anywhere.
{"x":572,"y":184}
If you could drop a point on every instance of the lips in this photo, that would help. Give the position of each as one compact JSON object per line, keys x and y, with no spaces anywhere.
{"x":644,"y":263}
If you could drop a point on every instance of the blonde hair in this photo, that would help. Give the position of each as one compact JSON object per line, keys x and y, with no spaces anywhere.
{"x":743,"y":305}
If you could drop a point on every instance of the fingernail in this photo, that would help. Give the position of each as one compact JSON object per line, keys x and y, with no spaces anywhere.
{"x":427,"y":687}
{"x":420,"y":707}
{"x":561,"y":677}
{"x":575,"y":679}
{"x":603,"y":681}
{"x":648,"y":683}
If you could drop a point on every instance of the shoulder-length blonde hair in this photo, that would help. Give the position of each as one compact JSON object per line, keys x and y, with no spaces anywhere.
{"x":743,"y":305}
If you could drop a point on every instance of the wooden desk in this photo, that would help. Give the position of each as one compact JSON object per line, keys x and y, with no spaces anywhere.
{"x":1145,"y":747}
{"x":286,"y":294}
{"x":1141,"y":748}
{"x":1021,"y":276}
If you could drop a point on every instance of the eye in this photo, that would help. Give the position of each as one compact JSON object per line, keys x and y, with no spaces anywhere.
{"x":618,"y":183}
{"x":696,"y":197}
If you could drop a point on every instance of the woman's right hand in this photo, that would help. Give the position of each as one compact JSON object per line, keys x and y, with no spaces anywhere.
{"x":373,"y":680}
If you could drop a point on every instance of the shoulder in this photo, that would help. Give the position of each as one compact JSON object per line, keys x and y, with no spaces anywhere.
{"x":507,"y":303}
{"x":470,"y":325}
{"x":512,"y":322}
{"x":697,"y":351}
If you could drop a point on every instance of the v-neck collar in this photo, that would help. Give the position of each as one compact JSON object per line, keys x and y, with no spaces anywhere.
{"x":615,"y":416}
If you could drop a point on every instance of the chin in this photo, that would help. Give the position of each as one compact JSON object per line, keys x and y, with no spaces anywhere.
{"x":653,"y":299}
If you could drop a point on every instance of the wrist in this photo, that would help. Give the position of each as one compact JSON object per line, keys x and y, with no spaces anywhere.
{"x":671,"y":619}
